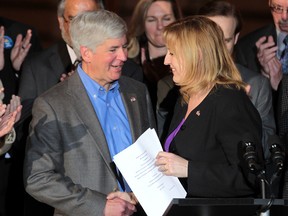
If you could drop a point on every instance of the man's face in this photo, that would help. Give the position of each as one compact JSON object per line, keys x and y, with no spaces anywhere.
{"x":106,"y":62}
{"x":279,"y":12}
{"x":72,"y":9}
{"x":228,"y":26}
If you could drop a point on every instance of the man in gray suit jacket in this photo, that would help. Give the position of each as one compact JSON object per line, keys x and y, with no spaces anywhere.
{"x":81,"y":123}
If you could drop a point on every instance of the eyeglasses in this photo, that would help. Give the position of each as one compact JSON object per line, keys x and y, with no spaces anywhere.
{"x":278,"y":9}
{"x":67,"y":20}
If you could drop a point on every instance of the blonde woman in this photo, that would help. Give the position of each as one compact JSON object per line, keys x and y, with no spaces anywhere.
{"x":212,"y":117}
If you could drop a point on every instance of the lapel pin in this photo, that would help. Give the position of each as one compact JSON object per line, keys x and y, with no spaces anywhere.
{"x":132,"y":99}
{"x":198,"y":113}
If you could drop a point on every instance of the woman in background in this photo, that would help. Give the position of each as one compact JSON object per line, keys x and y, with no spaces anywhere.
{"x":145,"y":36}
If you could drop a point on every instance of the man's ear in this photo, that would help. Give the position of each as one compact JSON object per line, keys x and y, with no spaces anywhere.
{"x":236,"y":38}
{"x":60,"y":22}
{"x":86,"y":54}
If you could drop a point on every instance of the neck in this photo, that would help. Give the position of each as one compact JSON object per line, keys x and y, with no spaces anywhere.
{"x":155,"y":52}
{"x":195,"y":100}
{"x":106,"y":85}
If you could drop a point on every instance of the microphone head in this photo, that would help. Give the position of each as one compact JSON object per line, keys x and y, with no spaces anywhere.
{"x":274,"y":139}
{"x":249,"y":151}
{"x":276,"y":148}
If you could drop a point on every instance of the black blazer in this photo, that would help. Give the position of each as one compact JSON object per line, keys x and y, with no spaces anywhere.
{"x":210,"y":140}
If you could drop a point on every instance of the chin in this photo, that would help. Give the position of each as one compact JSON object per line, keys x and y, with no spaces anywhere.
{"x":175,"y":80}
{"x":116,"y":76}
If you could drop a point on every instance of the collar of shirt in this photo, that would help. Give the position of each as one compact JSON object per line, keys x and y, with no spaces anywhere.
{"x":92,"y":87}
{"x":72,"y":54}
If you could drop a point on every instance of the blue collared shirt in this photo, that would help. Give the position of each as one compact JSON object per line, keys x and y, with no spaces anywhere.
{"x":110,"y":111}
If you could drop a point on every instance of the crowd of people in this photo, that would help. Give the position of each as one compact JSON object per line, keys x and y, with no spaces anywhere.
{"x":215,"y":99}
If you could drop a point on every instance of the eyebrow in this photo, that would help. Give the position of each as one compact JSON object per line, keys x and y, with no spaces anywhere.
{"x":162,"y":16}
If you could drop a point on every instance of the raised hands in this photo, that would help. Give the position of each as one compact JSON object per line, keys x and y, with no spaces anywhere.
{"x":271,"y":66}
{"x":9,"y":115}
{"x":19,"y":50}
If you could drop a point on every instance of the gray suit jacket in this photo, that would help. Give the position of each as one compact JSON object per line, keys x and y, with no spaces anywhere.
{"x":68,"y":164}
{"x":261,"y":96}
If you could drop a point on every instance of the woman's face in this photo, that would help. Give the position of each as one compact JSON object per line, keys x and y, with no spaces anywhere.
{"x":159,"y":15}
{"x":175,"y":66}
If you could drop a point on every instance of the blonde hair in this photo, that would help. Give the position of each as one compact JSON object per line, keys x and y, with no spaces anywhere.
{"x":199,"y":45}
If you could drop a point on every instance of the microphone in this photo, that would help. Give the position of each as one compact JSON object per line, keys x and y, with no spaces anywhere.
{"x":250,"y":155}
{"x":277,"y":151}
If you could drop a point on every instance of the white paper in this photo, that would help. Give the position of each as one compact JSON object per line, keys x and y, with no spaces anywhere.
{"x":152,"y":188}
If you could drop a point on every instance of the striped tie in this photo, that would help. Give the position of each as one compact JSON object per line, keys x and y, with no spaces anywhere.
{"x":284,"y":56}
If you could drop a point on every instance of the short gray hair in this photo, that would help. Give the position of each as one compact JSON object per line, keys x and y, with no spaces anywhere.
{"x":90,"y":29}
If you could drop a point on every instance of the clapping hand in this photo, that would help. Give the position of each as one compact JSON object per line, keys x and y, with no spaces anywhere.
{"x":271,"y":66}
{"x":9,"y":115}
{"x":20,"y":49}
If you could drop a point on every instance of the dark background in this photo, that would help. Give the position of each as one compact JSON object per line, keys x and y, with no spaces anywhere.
{"x":42,"y":14}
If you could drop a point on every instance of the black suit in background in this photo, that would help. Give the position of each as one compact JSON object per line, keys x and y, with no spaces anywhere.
{"x":246,"y":54}
{"x":10,"y":168}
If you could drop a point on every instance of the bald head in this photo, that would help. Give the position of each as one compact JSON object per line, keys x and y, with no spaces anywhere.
{"x":68,"y":9}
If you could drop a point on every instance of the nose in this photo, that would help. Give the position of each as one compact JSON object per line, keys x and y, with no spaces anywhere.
{"x":167,"y":59}
{"x":160,"y":24}
{"x":122,"y":54}
{"x":284,"y":15}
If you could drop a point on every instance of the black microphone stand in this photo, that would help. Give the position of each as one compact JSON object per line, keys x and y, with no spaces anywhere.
{"x":250,"y":157}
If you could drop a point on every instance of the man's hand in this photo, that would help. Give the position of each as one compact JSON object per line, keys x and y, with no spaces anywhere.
{"x":120,"y":204}
{"x":266,"y":52}
{"x":276,"y":73}
{"x":15,"y":106}
{"x":20,"y":49}
{"x":65,"y":76}
{"x":271,"y":66}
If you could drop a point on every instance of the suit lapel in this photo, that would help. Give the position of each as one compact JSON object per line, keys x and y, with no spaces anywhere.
{"x":86,"y":113}
{"x":132,"y":107}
